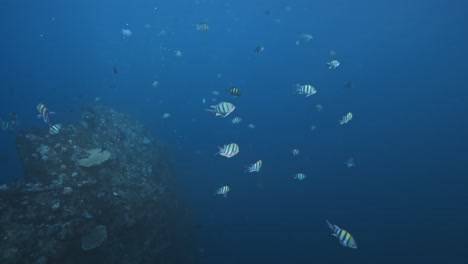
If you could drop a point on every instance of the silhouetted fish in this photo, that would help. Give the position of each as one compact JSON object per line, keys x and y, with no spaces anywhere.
{"x":114,"y":69}
{"x":259,"y":49}
{"x":4,"y":157}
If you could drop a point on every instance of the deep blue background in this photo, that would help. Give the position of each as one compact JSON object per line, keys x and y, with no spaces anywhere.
{"x":405,"y":201}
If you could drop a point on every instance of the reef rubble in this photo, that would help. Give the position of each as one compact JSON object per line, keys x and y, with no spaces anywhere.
{"x":101,"y":190}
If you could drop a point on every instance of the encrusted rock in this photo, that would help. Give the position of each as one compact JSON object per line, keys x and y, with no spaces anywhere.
{"x":96,"y":157}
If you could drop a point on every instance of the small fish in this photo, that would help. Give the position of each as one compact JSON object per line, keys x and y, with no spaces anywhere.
{"x":251,"y":126}
{"x":348,"y":85}
{"x":332,"y":53}
{"x":104,"y":147}
{"x":4,"y":157}
{"x":313,"y":128}
{"x":346,"y":118}
{"x":259,"y":49}
{"x":13,"y":118}
{"x":126,"y":32}
{"x":166,"y":115}
{"x":223,"y":191}
{"x":55,"y":129}
{"x":114,"y":69}
{"x":306,"y":36}
{"x":318,"y":107}
{"x":202,"y":27}
{"x":300,"y":176}
{"x":333,"y":64}
{"x":7,"y":126}
{"x":254,"y":167}
{"x":178,"y":53}
{"x":222,"y":109}
{"x":344,"y":237}
{"x":234,"y":91}
{"x":295,"y":152}
{"x":236,"y":120}
{"x":44,"y":113}
{"x":203,"y":100}
{"x":155,"y":84}
{"x":350,"y":163}
{"x":306,"y":89}
{"x":229,"y":150}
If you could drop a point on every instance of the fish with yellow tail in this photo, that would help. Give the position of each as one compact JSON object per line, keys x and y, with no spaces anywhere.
{"x":343,"y":236}
{"x":254,"y":167}
{"x":44,"y":113}
{"x":229,"y":150}
{"x":222,"y":109}
{"x":223,"y":191}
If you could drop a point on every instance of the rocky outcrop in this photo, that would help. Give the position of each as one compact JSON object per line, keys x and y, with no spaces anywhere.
{"x":99,"y":191}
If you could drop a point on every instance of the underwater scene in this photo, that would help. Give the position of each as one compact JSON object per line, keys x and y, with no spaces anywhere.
{"x":205,"y":131}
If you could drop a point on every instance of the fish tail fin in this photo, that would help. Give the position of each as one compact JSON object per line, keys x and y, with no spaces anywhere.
{"x":219,"y":150}
{"x":296,"y":88}
{"x":209,"y":110}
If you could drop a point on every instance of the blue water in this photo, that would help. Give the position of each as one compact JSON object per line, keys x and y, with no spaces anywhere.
{"x":405,"y":200}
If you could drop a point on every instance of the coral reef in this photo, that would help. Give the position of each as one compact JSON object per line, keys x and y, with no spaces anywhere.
{"x":101,"y":190}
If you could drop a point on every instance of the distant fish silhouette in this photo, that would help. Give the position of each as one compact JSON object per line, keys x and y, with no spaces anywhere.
{"x":114,"y":69}
{"x":348,"y":85}
{"x":4,"y":157}
{"x":259,"y":49}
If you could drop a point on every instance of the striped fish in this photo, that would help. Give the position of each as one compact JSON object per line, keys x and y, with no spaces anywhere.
{"x":222,"y":109}
{"x":229,"y":150}
{"x":7,"y":126}
{"x":345,"y":238}
{"x":254,"y":167}
{"x":44,"y":113}
{"x":55,"y":129}
{"x":346,"y":118}
{"x":306,"y":89}
{"x":300,"y":176}
{"x":236,"y":120}
{"x":333,"y":64}
{"x":295,"y":152}
{"x":202,"y":26}
{"x":223,"y":191}
{"x":234,"y":91}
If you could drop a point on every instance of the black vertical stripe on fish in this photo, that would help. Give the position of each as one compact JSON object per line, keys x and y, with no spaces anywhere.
{"x":342,"y":235}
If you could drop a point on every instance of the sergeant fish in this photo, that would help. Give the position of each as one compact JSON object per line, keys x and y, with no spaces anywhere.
{"x":223,"y":191}
{"x":222,"y":109}
{"x":343,"y":236}
{"x":229,"y":150}
{"x":254,"y":167}
{"x":306,"y":89}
